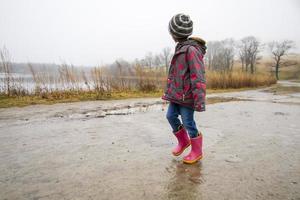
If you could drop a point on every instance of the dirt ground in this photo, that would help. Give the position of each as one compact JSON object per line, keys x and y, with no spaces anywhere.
{"x":122,"y":150}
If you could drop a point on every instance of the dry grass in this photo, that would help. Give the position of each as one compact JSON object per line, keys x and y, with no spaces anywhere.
{"x":72,"y":85}
{"x":103,"y":86}
{"x":227,"y":80}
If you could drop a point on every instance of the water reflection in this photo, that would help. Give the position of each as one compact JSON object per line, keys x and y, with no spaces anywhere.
{"x":185,"y":181}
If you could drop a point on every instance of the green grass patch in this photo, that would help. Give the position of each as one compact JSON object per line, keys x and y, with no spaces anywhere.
{"x":75,"y":96}
{"x":70,"y":96}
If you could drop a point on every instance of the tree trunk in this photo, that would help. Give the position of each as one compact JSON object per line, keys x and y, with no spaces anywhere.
{"x":277,"y":71}
{"x":252,"y":68}
{"x":242,"y":65}
{"x":277,"y":68}
{"x":166,"y":62}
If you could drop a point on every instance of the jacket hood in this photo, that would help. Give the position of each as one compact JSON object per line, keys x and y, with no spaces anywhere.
{"x":197,"y":42}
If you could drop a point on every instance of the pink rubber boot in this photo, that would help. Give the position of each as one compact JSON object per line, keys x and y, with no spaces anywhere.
{"x":196,"y":151}
{"x":183,"y":142}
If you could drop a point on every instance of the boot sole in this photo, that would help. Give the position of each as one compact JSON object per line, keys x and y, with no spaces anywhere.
{"x":179,"y":153}
{"x":193,"y":161}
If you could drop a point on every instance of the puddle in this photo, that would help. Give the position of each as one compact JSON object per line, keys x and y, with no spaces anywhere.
{"x":131,"y":109}
{"x":249,"y":146}
{"x":128,"y":110}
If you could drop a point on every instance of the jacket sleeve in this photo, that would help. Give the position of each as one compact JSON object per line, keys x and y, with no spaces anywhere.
{"x":197,"y":77}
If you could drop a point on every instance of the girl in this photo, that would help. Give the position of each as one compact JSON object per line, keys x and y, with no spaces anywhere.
{"x":186,"y":87}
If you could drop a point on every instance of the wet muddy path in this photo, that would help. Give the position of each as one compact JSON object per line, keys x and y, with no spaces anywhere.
{"x":121,"y":150}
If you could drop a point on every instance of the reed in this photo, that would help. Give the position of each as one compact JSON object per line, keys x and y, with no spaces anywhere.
{"x":237,"y":79}
{"x":69,"y":84}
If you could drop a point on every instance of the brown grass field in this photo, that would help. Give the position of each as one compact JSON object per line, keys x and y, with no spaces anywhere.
{"x":142,"y":83}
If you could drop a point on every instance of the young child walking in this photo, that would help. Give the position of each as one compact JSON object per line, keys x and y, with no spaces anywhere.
{"x":186,"y":87}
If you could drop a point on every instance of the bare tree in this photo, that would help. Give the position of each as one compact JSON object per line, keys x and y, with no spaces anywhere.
{"x":220,"y":55}
{"x":212,"y":48}
{"x":249,"y":48}
{"x":149,"y":59}
{"x":157,"y":61}
{"x":166,"y":56}
{"x":278,"y":50}
{"x":242,"y":55}
{"x":228,"y":53}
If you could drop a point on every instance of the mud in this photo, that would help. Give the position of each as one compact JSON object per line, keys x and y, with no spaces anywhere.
{"x":121,"y":150}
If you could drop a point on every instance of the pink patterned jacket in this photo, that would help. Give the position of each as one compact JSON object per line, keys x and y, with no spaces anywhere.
{"x":186,"y":84}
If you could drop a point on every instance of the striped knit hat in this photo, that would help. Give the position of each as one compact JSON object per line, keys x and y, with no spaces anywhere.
{"x":181,"y":26}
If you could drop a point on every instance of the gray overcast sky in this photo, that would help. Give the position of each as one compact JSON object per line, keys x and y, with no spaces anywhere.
{"x":90,"y":32}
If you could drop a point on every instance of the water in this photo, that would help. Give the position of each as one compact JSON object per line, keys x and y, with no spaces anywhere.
{"x":26,"y":82}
